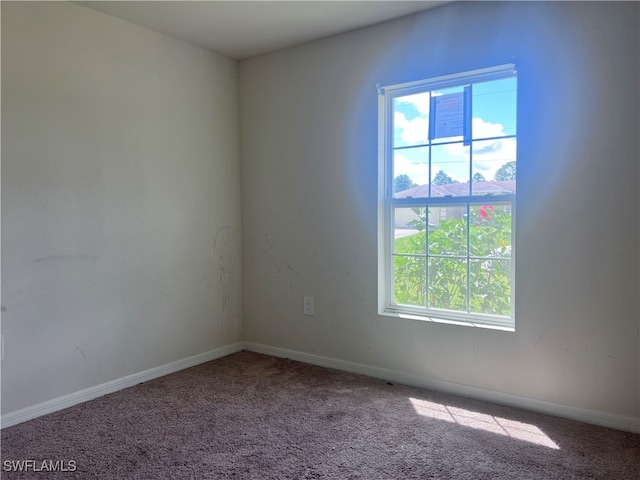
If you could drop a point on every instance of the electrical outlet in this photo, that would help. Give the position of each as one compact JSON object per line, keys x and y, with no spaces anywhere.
{"x":307,"y":306}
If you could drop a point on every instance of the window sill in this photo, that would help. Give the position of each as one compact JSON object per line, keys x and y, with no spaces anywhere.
{"x":433,"y":319}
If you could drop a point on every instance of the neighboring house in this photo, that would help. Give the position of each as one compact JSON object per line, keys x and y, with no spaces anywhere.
{"x":405,"y":216}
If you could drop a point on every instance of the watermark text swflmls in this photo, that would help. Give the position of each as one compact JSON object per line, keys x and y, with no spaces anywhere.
{"x":39,"y":465}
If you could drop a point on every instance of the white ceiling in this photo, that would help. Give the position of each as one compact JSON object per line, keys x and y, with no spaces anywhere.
{"x":242,"y":29}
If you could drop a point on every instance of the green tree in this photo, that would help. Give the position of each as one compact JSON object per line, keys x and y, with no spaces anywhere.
{"x":506,"y":172}
{"x":442,"y":178}
{"x":402,"y":183}
{"x":478,"y":177}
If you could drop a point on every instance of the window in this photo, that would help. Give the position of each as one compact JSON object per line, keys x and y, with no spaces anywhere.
{"x":447,"y":197}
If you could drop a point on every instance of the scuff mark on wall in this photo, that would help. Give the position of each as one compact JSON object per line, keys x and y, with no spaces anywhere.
{"x":270,"y":243}
{"x":290,"y":268}
{"x":215,"y":240}
{"x":284,"y":269}
{"x":81,"y":352}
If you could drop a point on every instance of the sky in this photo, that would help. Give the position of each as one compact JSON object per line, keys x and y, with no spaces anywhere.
{"x":494,"y":115}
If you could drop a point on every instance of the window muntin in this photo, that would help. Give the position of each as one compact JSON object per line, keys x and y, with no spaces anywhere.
{"x":447,"y":250}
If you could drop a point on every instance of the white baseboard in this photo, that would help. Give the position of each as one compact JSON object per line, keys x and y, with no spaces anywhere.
{"x":87,"y":394}
{"x":603,"y":419}
{"x":619,"y":422}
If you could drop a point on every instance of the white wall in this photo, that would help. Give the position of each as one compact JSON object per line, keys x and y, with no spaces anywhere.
{"x":120,"y":200}
{"x":309,"y":163}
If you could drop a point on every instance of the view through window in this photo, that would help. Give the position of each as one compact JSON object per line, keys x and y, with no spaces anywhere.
{"x":448,"y":153}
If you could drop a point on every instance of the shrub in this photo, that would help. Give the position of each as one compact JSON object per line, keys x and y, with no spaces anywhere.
{"x":462,"y":274}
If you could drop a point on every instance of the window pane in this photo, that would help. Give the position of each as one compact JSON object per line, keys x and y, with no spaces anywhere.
{"x":490,"y":283}
{"x":490,"y":231}
{"x":411,"y":172}
{"x":409,"y":280}
{"x":409,"y":230}
{"x":494,"y":166}
{"x":448,"y":230}
{"x":411,"y":120}
{"x":450,"y":170}
{"x":494,"y":108}
{"x":448,"y":284}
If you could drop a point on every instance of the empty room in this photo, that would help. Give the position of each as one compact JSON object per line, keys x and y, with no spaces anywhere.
{"x":346,"y":240}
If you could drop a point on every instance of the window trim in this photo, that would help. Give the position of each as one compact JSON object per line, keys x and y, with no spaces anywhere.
{"x":387,"y":202}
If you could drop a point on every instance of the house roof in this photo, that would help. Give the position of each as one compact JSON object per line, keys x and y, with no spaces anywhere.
{"x":460,"y":189}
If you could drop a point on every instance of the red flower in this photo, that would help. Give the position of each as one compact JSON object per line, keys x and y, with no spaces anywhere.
{"x":483,"y":210}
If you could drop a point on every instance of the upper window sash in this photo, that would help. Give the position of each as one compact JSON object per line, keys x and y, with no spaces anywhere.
{"x":388,"y":94}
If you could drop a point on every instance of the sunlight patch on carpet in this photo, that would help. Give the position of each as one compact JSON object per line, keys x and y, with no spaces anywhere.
{"x":481,"y":421}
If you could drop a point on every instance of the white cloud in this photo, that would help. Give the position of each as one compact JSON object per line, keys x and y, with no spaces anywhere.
{"x":486,"y":129}
{"x":412,"y":123}
{"x":413,"y":132}
{"x":416,"y":170}
{"x":488,"y":156}
{"x":419,"y":101}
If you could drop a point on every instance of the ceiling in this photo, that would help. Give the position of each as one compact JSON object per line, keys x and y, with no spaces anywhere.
{"x":241,"y":29}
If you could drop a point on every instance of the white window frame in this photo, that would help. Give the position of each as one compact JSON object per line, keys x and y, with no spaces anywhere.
{"x":387,"y":202}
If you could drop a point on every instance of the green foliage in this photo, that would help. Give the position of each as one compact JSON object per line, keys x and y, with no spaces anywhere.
{"x":442,"y":178}
{"x":447,"y":282}
{"x":410,"y":276}
{"x":506,"y":172}
{"x":478,"y":177}
{"x":402,"y":183}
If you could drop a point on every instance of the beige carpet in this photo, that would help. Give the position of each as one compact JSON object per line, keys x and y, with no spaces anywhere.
{"x":250,"y":416}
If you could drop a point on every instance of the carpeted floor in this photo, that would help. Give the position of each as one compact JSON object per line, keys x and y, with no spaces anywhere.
{"x":250,"y":416}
